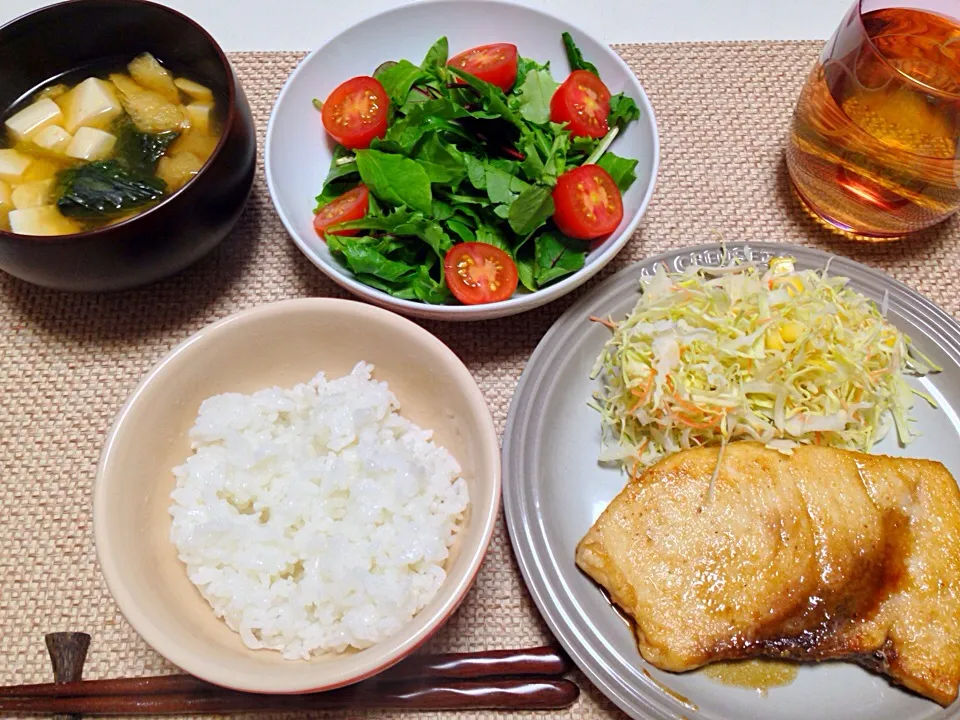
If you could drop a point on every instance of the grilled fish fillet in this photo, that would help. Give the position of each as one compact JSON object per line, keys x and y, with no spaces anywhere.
{"x":825,"y":554}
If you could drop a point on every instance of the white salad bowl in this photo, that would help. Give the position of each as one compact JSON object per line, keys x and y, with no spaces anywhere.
{"x":298,"y":151}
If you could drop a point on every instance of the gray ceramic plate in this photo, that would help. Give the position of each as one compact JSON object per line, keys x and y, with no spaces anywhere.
{"x":554,"y":489}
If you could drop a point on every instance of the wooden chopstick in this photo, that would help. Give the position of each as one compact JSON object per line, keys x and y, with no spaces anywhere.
{"x":527,"y":679}
{"x":545,"y":660}
{"x":491,"y":694}
{"x":532,"y":662}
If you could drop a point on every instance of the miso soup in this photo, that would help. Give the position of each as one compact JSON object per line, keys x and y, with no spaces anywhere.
{"x":100,"y":147}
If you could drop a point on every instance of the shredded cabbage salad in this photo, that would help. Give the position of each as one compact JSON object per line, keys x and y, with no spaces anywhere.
{"x":752,"y":352}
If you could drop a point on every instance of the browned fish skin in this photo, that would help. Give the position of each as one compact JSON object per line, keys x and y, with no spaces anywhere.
{"x":825,"y":554}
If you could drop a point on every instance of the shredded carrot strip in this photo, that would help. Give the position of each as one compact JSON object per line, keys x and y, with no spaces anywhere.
{"x":696,"y":425}
{"x":693,"y":408}
{"x":636,"y":462}
{"x":647,"y":387}
{"x":609,"y":323}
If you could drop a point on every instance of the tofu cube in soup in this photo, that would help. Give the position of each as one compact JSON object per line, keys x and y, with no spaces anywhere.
{"x":194,"y":90}
{"x":13,"y":165}
{"x":92,"y":103}
{"x":91,"y":144}
{"x":43,"y":220}
{"x":33,"y":118}
{"x":32,"y":194}
{"x":53,"y":138}
{"x":199,"y":116}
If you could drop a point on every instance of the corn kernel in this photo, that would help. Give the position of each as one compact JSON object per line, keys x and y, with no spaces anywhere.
{"x":791,"y":332}
{"x":889,"y":339}
{"x":772,"y":340}
{"x":793,"y":284}
{"x":781,"y":265}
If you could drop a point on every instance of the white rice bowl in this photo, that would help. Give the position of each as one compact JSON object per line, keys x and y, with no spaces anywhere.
{"x":317,"y":518}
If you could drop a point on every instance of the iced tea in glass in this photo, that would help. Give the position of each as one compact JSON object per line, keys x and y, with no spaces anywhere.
{"x":873,"y":146}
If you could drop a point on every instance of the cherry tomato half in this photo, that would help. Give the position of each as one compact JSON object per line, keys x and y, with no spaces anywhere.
{"x":479,"y":273}
{"x":356,"y":112}
{"x":587,"y":202}
{"x":583,"y":102}
{"x":496,"y":64}
{"x":352,"y":205}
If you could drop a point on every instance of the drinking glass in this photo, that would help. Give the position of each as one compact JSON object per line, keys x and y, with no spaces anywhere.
{"x":872,"y":149}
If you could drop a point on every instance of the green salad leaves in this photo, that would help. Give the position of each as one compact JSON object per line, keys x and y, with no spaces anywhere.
{"x":575,"y":57}
{"x":464,"y":161}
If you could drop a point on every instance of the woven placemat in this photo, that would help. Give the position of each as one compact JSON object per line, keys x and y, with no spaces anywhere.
{"x":67,"y":361}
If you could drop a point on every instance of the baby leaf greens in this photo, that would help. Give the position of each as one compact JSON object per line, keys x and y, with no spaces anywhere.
{"x":469,"y":158}
{"x":575,"y":57}
{"x":623,"y":111}
{"x":395,"y":179}
{"x":535,"y":93}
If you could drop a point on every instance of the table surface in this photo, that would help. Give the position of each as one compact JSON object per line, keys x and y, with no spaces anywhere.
{"x":302,"y":25}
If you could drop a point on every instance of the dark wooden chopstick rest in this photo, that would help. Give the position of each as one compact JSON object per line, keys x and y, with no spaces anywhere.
{"x":68,"y":653}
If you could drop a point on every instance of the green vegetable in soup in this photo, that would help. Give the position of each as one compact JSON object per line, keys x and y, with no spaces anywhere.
{"x":102,"y":190}
{"x":139,"y":151}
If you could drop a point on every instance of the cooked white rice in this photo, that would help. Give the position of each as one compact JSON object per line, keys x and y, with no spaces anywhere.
{"x":316,"y":518}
